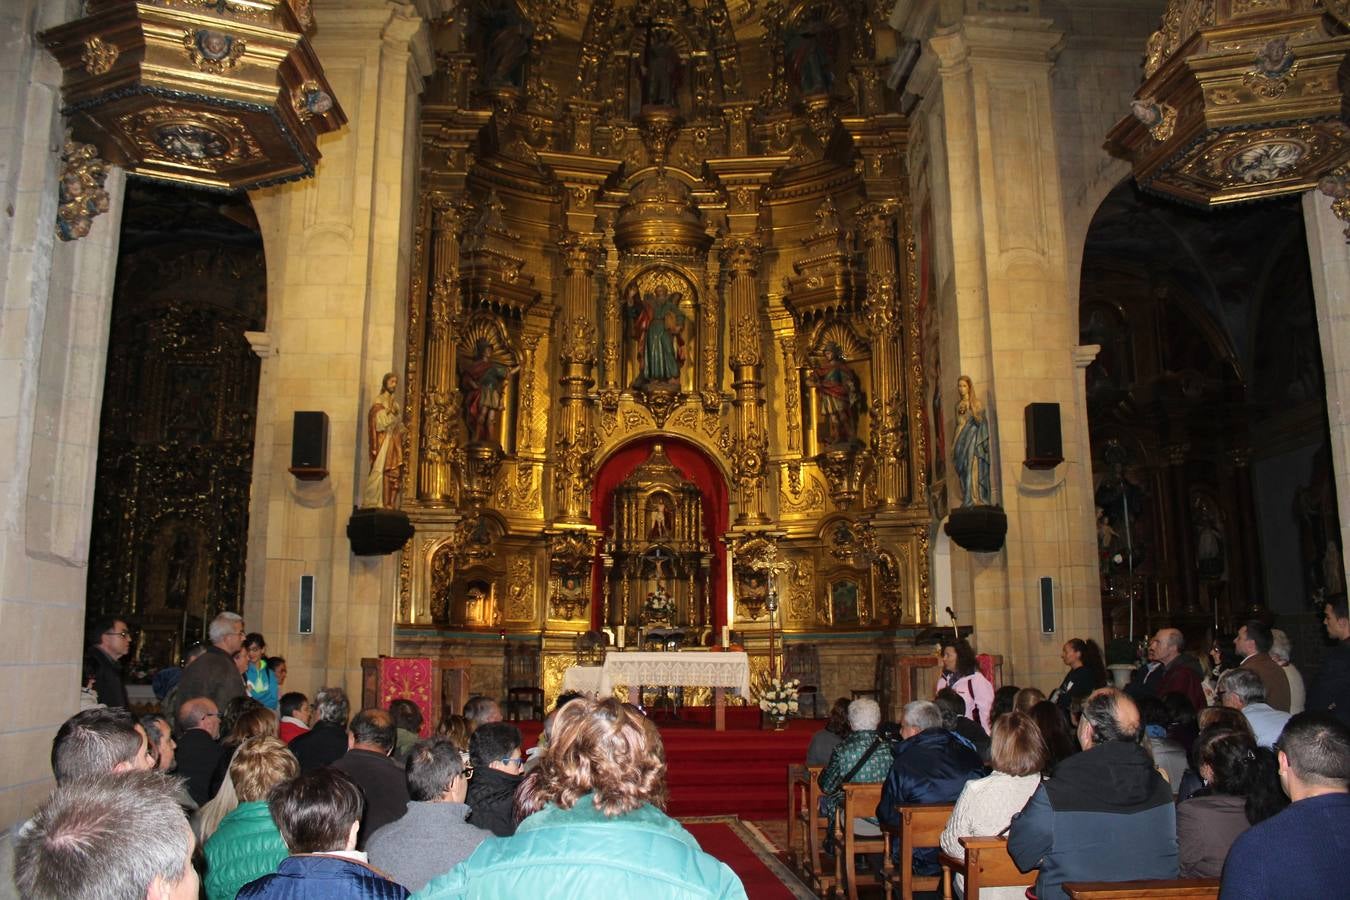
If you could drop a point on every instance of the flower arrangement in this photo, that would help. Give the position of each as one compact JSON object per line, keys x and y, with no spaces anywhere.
{"x":778,"y":698}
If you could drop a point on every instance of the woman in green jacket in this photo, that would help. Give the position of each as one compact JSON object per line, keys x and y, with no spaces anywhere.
{"x":247,"y":845}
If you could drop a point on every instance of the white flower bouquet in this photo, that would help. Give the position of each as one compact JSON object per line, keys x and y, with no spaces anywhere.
{"x":778,"y":698}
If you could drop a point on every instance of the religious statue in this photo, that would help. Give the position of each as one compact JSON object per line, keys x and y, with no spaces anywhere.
{"x":482,"y":380}
{"x":506,"y":42}
{"x":660,"y":519}
{"x":970,"y":446}
{"x":384,"y":430}
{"x":810,"y":46}
{"x":1209,"y":553}
{"x":840,"y":397}
{"x":658,"y":328}
{"x":660,"y":69}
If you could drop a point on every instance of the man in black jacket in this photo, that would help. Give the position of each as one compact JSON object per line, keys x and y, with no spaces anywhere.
{"x":327,"y":741}
{"x":198,"y":751}
{"x":372,"y":736}
{"x":498,"y":765}
{"x":112,"y":640}
{"x":1330,"y":692}
{"x":1106,"y":815}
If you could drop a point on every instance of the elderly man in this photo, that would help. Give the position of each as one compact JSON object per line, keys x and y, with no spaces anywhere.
{"x":432,"y":837}
{"x":482,"y":711}
{"x":862,"y":756}
{"x":371,"y":740}
{"x":1253,"y":643}
{"x":1330,"y":692}
{"x":1243,"y":690}
{"x":1282,"y":651}
{"x":108,"y":837}
{"x":327,"y":741}
{"x":931,"y":765}
{"x":214,"y":673}
{"x":1106,"y":815}
{"x":1301,"y":851}
{"x":198,"y":745}
{"x":99,"y":741}
{"x":112,"y":640}
{"x":1174,"y":672}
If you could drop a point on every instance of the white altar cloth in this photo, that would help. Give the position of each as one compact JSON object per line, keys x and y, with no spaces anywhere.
{"x":688,"y":669}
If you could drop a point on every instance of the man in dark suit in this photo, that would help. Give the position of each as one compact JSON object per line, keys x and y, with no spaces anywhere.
{"x":380,"y":778}
{"x":1253,"y":643}
{"x":198,"y":751}
{"x":1330,"y":691}
{"x":327,"y":741}
{"x":112,"y":640}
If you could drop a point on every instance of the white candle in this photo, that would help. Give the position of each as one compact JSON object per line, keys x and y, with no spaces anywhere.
{"x":726,"y":635}
{"x":620,"y":630}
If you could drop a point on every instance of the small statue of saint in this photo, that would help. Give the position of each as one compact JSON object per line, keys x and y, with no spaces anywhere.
{"x":384,"y":430}
{"x":658,"y":329}
{"x":839,"y":396}
{"x":483,"y":383}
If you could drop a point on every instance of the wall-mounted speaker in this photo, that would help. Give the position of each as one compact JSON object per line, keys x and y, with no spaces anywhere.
{"x":309,"y":446}
{"x":1045,"y":448}
{"x":306,"y":605}
{"x":1047,"y":605}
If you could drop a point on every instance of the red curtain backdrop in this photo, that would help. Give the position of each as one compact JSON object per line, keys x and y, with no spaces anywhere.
{"x":693,"y":464}
{"x":403,"y":678}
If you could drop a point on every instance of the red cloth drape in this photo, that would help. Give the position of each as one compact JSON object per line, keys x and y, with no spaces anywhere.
{"x":403,"y":678}
{"x":693,"y":464}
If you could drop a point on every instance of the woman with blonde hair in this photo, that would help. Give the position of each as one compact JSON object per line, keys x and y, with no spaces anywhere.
{"x":243,"y":843}
{"x":600,"y":789}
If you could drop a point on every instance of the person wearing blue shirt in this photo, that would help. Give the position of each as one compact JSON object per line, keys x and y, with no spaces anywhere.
{"x":262,"y":681}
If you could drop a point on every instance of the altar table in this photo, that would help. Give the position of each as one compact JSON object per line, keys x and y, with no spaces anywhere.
{"x":718,"y":671}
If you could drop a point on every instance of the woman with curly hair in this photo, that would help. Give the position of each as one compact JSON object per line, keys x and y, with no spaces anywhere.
{"x":600,"y":791}
{"x":961,"y":673}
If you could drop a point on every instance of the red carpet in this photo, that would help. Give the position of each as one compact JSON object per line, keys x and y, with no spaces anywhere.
{"x":749,"y":856}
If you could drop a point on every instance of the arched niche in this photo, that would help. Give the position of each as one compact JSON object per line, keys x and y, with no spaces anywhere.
{"x":488,"y":368}
{"x":661,"y":329}
{"x":836,"y":382}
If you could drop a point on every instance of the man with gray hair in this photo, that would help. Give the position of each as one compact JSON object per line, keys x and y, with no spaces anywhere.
{"x":326,"y":742}
{"x":214,"y":674}
{"x":862,"y":756}
{"x":931,"y":765}
{"x":1106,"y":815}
{"x":480,"y":710}
{"x":1243,"y":690}
{"x":120,"y":837}
{"x":1282,"y":651}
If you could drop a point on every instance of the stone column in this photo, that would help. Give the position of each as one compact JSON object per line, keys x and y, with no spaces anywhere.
{"x":884,"y":321}
{"x":741,"y":257}
{"x":576,"y":438}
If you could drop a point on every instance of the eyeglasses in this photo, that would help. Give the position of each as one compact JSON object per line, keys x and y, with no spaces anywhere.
{"x":508,"y":760}
{"x":122,"y":634}
{"x":467,"y":771}
{"x":211,"y":715}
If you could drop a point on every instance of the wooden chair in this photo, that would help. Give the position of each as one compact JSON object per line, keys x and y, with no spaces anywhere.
{"x":987,"y":865}
{"x":1163,"y":889}
{"x":860,"y":800}
{"x":819,"y":868}
{"x":802,"y":662}
{"x":921,"y":825}
{"x":522,"y":683}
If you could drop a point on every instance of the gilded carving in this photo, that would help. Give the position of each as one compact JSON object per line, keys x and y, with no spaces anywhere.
{"x":1160,"y":118}
{"x":745,"y":342}
{"x":791,"y":402}
{"x":81,"y":192}
{"x":578,"y":342}
{"x":310,"y":100}
{"x":799,"y":498}
{"x":520,"y":591}
{"x":520,"y":492}
{"x":209,"y":140}
{"x":405,"y":583}
{"x":98,"y":56}
{"x":575,"y":455}
{"x":801,"y":579}
{"x":213,"y":52}
{"x":1336,"y":185}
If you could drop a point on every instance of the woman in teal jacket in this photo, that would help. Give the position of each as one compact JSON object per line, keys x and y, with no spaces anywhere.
{"x":599,"y":830}
{"x":247,"y":844}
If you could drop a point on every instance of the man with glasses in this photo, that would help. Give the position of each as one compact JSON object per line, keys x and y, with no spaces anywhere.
{"x":498,"y":765}
{"x":432,"y":837}
{"x":198,"y":748}
{"x":112,"y":641}
{"x":214,"y":673}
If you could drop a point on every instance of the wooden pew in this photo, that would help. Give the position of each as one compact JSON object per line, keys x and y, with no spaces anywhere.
{"x":921,"y":825}
{"x":799,"y":780}
{"x":860,"y":801}
{"x":1170,"y":889}
{"x":820,"y":869}
{"x":987,"y":865}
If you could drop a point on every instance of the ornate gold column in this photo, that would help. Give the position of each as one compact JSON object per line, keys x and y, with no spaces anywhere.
{"x":576,"y":431}
{"x":440,"y":398}
{"x":750,"y":448}
{"x":889,"y":441}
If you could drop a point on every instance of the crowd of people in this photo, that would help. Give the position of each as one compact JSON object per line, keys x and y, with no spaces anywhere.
{"x":1235,"y":770}
{"x":1232,"y":770}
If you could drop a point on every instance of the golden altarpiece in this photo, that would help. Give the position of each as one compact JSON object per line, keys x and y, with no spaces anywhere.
{"x":650,"y":228}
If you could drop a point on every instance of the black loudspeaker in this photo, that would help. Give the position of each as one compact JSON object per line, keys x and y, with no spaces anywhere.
{"x":1045,"y":449}
{"x":309,"y":446}
{"x":1047,"y":605}
{"x":306,"y":617}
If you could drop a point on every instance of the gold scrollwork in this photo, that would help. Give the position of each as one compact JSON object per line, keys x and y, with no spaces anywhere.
{"x":213,"y":52}
{"x":520,"y":591}
{"x":98,"y":55}
{"x":81,"y":192}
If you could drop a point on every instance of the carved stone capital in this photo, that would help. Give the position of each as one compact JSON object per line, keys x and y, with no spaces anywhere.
{"x":581,"y":253}
{"x":876,"y":221}
{"x":742,"y":254}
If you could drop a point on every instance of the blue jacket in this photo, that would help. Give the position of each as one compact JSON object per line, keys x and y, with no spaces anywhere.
{"x":933,"y":766}
{"x":245,"y":846}
{"x":1105,"y":815}
{"x":582,"y":854}
{"x":322,"y":877}
{"x":1299,"y":852}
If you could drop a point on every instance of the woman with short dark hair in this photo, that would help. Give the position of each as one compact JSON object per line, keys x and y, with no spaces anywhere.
{"x":1242,"y":787}
{"x":601,"y":786}
{"x":319,"y":815}
{"x":826,"y":739}
{"x":961,"y":673}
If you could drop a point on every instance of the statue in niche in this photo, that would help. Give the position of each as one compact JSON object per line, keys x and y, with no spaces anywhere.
{"x":179,"y":571}
{"x":657,"y":324}
{"x":506,"y":38}
{"x":970,"y":446}
{"x":660,"y":518}
{"x":1209,"y":553}
{"x":660,"y":68}
{"x":482,"y":380}
{"x":840,"y":397}
{"x":811,"y":47}
{"x":384,"y":429}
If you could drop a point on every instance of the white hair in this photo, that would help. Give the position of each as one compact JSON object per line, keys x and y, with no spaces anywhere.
{"x":921,"y":714}
{"x":223,"y":626}
{"x":1281,"y":648}
{"x":864,"y":714}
